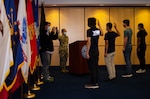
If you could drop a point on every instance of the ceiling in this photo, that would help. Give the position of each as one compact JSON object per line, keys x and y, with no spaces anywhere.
{"x":74,"y":3}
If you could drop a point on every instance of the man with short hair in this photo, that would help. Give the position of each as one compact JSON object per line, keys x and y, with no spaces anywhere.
{"x":92,"y":52}
{"x":127,"y":48}
{"x":109,"y":54}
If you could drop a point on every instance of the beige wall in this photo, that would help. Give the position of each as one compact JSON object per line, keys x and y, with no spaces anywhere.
{"x":74,"y":19}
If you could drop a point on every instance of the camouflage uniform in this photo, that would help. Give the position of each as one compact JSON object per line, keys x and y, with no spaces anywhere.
{"x":63,"y":50}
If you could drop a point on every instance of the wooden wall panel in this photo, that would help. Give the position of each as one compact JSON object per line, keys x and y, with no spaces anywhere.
{"x":101,"y":14}
{"x":52,"y":16}
{"x":73,"y":20}
{"x":147,"y":55}
{"x":69,"y":18}
{"x":142,"y":15}
{"x":117,"y":15}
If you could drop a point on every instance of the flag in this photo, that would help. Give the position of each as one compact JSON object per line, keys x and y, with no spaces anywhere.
{"x":36,"y":24}
{"x":19,"y":79}
{"x":16,"y":46}
{"x":35,"y":8}
{"x":24,"y":38}
{"x":4,"y":94}
{"x":35,"y":14}
{"x":16,"y":4}
{"x":32,"y":34}
{"x":43,"y":19}
{"x":6,"y":55}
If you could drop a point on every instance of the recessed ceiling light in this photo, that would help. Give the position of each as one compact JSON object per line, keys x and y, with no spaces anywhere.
{"x":101,"y":4}
{"x":147,"y":4}
{"x":54,"y":5}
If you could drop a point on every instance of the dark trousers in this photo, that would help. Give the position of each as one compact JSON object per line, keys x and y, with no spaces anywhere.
{"x":141,"y":56}
{"x":93,"y":67}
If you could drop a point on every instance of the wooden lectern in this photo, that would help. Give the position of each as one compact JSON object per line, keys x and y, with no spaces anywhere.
{"x":77,"y":64}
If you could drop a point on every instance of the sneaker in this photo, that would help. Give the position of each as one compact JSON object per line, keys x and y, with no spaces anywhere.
{"x":49,"y":79}
{"x":141,"y":71}
{"x":91,"y":86}
{"x":42,"y":76}
{"x":63,"y":70}
{"x":66,"y":70}
{"x":127,"y":75}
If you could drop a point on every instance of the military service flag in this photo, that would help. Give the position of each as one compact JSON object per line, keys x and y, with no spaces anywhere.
{"x":24,"y":38}
{"x":6,"y":55}
{"x":32,"y":34}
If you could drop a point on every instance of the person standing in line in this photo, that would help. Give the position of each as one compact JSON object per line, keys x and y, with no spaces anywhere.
{"x":92,"y":52}
{"x":109,"y":54}
{"x":46,"y":49}
{"x":63,"y":50}
{"x":141,"y":47}
{"x":127,"y":48}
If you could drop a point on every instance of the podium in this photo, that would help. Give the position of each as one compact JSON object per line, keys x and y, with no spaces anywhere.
{"x":77,"y":64}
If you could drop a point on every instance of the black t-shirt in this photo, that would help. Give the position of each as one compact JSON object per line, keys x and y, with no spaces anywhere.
{"x":111,"y":36}
{"x":141,"y":34}
{"x":94,"y":34}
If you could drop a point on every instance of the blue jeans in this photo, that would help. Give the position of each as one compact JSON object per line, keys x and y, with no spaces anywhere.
{"x":127,"y":57}
{"x":46,"y":61}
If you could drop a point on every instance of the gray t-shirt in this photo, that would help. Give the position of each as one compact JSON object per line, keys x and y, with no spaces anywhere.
{"x":128,"y":33}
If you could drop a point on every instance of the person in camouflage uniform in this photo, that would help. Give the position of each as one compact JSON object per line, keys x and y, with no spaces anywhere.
{"x":63,"y":50}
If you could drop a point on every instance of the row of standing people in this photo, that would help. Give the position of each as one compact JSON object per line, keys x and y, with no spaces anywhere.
{"x":92,"y":50}
{"x":92,"y":53}
{"x":127,"y":48}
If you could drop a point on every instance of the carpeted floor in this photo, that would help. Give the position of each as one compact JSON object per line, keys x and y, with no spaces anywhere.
{"x":67,"y":86}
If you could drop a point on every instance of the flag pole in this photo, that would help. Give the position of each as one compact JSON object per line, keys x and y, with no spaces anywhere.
{"x":35,"y":87}
{"x":40,"y":29}
{"x":30,"y":18}
{"x":29,"y":94}
{"x":39,"y":82}
{"x":22,"y":91}
{"x":36,"y":72}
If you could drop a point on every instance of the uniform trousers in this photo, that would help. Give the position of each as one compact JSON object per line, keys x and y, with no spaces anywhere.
{"x":63,"y":55}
